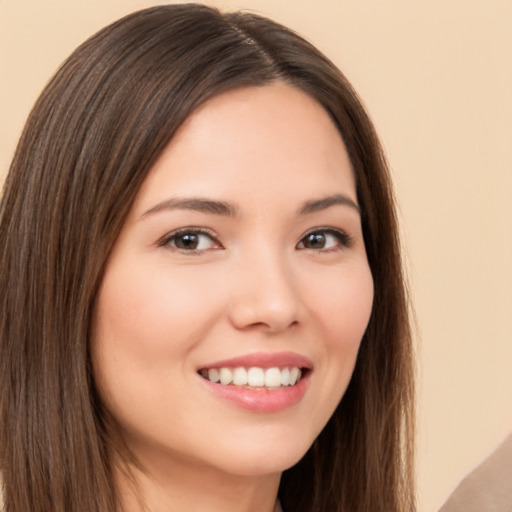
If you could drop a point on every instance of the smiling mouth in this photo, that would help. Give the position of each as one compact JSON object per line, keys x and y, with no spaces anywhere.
{"x":255,"y":377}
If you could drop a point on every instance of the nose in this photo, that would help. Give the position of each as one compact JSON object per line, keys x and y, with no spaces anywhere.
{"x":264,"y":294}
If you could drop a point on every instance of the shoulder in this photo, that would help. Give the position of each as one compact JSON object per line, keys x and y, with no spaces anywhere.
{"x":487,"y":488}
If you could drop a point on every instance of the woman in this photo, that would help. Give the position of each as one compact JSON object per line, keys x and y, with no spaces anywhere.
{"x":203,"y":300}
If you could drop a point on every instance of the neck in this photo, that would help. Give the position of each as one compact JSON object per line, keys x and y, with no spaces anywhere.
{"x":195,"y":488}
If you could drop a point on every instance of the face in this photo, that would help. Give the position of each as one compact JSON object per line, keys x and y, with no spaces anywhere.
{"x":234,"y":300}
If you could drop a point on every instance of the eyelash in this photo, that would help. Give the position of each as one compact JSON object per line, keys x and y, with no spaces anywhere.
{"x":174,"y":235}
{"x":343,"y":239}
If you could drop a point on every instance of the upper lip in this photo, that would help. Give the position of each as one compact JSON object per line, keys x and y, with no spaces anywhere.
{"x":263,"y":360}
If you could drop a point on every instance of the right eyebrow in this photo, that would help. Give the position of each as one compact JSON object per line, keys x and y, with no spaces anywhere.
{"x":197,"y":204}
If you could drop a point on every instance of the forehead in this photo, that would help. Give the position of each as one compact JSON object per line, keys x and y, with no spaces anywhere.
{"x":272,"y":140}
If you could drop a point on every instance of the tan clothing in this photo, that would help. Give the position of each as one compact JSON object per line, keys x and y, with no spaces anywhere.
{"x":488,"y":488}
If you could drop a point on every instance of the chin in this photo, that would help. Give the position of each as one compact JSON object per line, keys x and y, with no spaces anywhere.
{"x":261,"y":458}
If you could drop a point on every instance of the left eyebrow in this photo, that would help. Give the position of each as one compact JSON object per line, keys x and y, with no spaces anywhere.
{"x":326,"y":202}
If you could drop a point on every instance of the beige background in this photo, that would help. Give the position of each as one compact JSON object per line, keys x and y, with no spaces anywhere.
{"x":437,"y":79}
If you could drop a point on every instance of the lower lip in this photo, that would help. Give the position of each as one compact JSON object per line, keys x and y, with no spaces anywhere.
{"x":261,"y":400}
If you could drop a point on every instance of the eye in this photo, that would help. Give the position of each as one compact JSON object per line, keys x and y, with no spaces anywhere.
{"x":190,"y":240}
{"x":324,"y":240}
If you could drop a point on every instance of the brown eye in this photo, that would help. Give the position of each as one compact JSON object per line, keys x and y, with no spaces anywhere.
{"x":190,"y":240}
{"x":314,"y":241}
{"x":324,"y":239}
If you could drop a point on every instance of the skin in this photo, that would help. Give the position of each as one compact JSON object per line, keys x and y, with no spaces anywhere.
{"x":254,"y":284}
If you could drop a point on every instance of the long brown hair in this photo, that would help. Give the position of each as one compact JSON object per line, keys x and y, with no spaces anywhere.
{"x":88,"y":144}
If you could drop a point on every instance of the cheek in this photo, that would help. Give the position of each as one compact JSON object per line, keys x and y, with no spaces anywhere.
{"x":344,"y":306}
{"x":147,"y":320}
{"x":340,"y":305}
{"x":154,"y":310}
{"x":342,"y":311}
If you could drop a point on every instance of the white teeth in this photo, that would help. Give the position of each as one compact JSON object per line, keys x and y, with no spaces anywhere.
{"x":254,"y":377}
{"x":285,"y":377}
{"x":213,"y":375}
{"x":240,"y":377}
{"x":272,"y":377}
{"x":294,"y":375}
{"x":226,"y":376}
